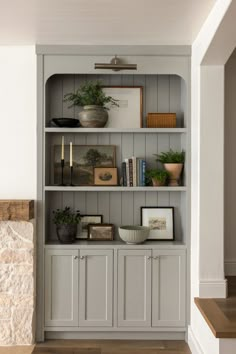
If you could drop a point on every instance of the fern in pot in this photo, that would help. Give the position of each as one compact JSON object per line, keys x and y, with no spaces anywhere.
{"x":66,"y":221}
{"x":94,"y":101}
{"x":173,"y":162}
{"x":157,"y":177}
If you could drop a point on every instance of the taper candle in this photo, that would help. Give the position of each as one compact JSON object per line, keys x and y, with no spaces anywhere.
{"x":62,"y":148}
{"x":71,"y":163}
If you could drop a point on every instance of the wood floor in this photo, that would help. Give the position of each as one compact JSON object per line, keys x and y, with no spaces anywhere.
{"x":102,"y":347}
{"x":220,"y":314}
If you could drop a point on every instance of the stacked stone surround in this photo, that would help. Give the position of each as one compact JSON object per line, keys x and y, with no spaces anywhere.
{"x":17,"y":282}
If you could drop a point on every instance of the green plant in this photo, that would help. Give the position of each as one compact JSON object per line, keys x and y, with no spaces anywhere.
{"x":171,"y":157}
{"x":155,"y":173}
{"x":66,"y":216}
{"x":91,"y":93}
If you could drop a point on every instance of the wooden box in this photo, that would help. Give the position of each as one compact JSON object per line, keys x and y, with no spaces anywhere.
{"x":161,"y":120}
{"x":16,"y":210}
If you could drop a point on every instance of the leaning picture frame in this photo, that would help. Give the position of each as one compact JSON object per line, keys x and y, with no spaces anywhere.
{"x":85,"y":220}
{"x":85,"y":159}
{"x":161,"y":222}
{"x":101,"y":232}
{"x":129,"y":113}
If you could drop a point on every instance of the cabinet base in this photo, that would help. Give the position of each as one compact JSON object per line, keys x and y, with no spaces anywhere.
{"x":117,"y":335}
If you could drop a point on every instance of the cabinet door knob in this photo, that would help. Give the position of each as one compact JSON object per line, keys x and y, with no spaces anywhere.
{"x":81,"y":257}
{"x":149,"y":257}
{"x":76,"y":257}
{"x":155,"y":257}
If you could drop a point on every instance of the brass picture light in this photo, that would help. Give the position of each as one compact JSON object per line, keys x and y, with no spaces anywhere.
{"x":115,"y":65}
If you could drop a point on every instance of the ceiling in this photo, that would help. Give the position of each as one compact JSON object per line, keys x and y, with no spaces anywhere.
{"x":143,"y":22}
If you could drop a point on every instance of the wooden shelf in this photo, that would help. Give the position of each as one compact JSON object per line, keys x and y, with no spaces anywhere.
{"x":113,"y":189}
{"x":114,"y":130}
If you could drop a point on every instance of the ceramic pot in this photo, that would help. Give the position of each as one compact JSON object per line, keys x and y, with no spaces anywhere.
{"x":157,"y":183}
{"x":174,"y":170}
{"x":93,"y":117}
{"x":66,"y":233}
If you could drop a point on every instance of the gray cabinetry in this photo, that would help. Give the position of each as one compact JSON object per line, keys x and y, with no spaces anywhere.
{"x":61,"y":288}
{"x":134,"y":288}
{"x":151,"y":285}
{"x":96,"y":288}
{"x":168,"y":288}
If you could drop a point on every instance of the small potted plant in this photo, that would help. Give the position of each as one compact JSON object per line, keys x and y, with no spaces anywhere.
{"x":173,"y":162}
{"x":157,"y":176}
{"x":66,"y":222}
{"x":92,"y":98}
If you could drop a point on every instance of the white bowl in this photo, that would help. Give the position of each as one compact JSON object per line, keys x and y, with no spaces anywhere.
{"x":133,"y":234}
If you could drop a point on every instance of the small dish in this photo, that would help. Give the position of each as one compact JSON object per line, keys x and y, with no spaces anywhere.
{"x":66,"y":122}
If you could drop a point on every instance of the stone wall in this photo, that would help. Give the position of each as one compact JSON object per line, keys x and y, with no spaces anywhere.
{"x":17,"y":282}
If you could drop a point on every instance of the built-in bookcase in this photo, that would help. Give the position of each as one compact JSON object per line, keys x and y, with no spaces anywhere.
{"x":119,"y":205}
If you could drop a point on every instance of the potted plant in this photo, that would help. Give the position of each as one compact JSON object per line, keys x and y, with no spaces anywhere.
{"x":91,"y":97}
{"x":157,"y":176}
{"x":66,"y":222}
{"x":173,"y":162}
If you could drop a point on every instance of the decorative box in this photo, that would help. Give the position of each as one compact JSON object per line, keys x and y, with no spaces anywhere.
{"x":161,"y":120}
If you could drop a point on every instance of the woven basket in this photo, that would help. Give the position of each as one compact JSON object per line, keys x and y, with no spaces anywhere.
{"x":161,"y":120}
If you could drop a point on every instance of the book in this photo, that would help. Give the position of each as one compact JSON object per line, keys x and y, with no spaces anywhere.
{"x":131,"y":180}
{"x":127,"y":172}
{"x":124,"y":174}
{"x":134,"y":160}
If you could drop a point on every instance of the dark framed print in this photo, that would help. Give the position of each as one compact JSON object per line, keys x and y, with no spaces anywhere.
{"x":85,"y":159}
{"x":101,"y":232}
{"x":161,"y":222}
{"x":105,"y":176}
{"x":84,"y":222}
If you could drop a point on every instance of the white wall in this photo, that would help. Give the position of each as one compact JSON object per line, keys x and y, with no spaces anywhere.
{"x":230,"y":166}
{"x":18,"y":122}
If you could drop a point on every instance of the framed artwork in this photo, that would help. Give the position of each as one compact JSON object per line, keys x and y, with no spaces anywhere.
{"x":161,"y":222}
{"x":101,"y":232}
{"x":129,"y":114}
{"x":105,"y":176}
{"x":84,"y":222}
{"x":85,"y":158}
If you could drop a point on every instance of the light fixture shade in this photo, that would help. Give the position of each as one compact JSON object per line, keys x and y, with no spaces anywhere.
{"x":115,"y":65}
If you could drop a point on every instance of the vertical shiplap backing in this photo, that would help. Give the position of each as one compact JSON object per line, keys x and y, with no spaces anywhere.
{"x":161,"y":93}
{"x":119,"y":208}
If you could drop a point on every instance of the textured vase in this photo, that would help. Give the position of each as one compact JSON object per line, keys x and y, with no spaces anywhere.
{"x":174,"y":170}
{"x":66,"y":233}
{"x":93,"y":117}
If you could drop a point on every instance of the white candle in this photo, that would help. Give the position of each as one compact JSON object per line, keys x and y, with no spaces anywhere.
{"x":71,"y":163}
{"x":62,"y":148}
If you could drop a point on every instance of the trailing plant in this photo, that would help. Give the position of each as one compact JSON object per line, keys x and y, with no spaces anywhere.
{"x":155,"y":173}
{"x":90,"y":93}
{"x":171,"y":157}
{"x":66,"y":216}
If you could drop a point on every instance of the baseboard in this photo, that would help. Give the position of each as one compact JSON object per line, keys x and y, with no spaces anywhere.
{"x":193,"y":342}
{"x":230,"y":267}
{"x":213,"y":288}
{"x":117,"y":335}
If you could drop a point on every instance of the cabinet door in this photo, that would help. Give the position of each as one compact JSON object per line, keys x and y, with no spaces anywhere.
{"x":61,"y":288}
{"x":134,"y":288}
{"x":168,"y":288}
{"x":96,"y":288}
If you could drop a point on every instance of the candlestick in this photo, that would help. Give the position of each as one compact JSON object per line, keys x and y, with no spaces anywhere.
{"x":62,"y":172}
{"x":62,"y":148}
{"x":71,"y":176}
{"x":71,"y":159}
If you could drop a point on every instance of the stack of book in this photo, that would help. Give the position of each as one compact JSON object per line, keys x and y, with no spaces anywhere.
{"x":133,"y":172}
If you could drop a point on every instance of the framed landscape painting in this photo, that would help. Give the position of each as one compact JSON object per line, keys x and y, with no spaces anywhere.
{"x":85,"y":159}
{"x":161,"y":222}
